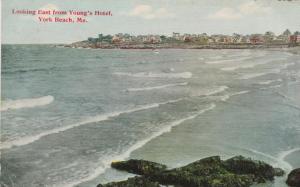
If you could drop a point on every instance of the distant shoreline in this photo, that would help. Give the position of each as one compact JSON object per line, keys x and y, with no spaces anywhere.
{"x":85,"y":44}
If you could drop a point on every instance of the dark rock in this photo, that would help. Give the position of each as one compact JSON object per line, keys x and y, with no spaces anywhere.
{"x":294,"y":178}
{"x":208,"y":172}
{"x":241,"y":165}
{"x":132,"y":182}
{"x":279,"y":172}
{"x":140,"y":167}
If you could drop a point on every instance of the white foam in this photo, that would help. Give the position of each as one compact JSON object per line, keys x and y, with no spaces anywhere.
{"x":208,"y":92}
{"x":107,"y":162}
{"x":270,"y":87}
{"x":281,"y":158}
{"x":228,"y":60}
{"x":284,"y":154}
{"x":269,"y":82}
{"x":278,"y":161}
{"x":156,"y":87}
{"x":226,"y":97}
{"x":26,"y":103}
{"x":254,"y":75}
{"x":216,"y":57}
{"x":288,"y":64}
{"x":102,"y":117}
{"x":184,"y":75}
{"x":217,"y":90}
{"x":240,"y":93}
{"x":243,"y":66}
{"x":252,"y":65}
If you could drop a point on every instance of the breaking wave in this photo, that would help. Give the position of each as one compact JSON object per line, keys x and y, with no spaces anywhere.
{"x":26,"y":103}
{"x":102,"y":117}
{"x":226,"y":97}
{"x":284,"y":154}
{"x":208,"y":92}
{"x":269,"y":82}
{"x":254,"y":75}
{"x":252,"y":65}
{"x":278,"y":161}
{"x":106,"y":162}
{"x":228,"y":60}
{"x":185,"y":75}
{"x":218,"y":90}
{"x":156,"y":87}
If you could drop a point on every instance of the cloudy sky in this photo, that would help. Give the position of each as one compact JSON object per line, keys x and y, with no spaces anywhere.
{"x":149,"y":17}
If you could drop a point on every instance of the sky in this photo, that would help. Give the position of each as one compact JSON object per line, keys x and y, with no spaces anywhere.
{"x":148,"y":17}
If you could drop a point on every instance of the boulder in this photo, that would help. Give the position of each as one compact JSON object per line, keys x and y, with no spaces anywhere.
{"x":278,"y":172}
{"x":294,"y":178}
{"x":261,"y":170}
{"x":132,"y":182}
{"x":140,"y":167}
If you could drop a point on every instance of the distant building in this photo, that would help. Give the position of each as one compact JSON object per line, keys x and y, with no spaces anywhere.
{"x":176,"y":35}
{"x":216,"y":38}
{"x":287,"y":32}
{"x":116,"y":39}
{"x":187,"y":38}
{"x":93,"y":40}
{"x":295,"y":38}
{"x":210,"y":40}
{"x":152,"y":39}
{"x":100,"y":37}
{"x":257,"y":39}
{"x":269,"y":37}
{"x":237,"y":38}
{"x":227,"y":40}
{"x":281,"y":39}
{"x":246,"y":39}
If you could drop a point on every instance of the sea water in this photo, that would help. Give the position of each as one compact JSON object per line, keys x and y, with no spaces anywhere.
{"x":68,"y":113}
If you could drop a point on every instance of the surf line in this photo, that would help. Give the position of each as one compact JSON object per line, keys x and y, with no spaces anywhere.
{"x":280,"y":159}
{"x":26,"y":103}
{"x":284,"y":154}
{"x":102,"y":117}
{"x":155,"y":87}
{"x":106,"y":162}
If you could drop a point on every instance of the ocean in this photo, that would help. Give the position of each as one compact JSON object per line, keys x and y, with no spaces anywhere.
{"x":67,"y":113}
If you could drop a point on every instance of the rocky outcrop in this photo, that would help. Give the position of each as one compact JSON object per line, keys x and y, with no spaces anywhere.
{"x":294,"y":178}
{"x":261,"y":171}
{"x":140,"y":167}
{"x":208,"y":172}
{"x":132,"y":182}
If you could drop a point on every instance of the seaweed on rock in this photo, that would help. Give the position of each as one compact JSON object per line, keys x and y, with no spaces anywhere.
{"x":208,"y":172}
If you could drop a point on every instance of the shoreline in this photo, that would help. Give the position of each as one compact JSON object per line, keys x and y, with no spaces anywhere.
{"x":89,"y":45}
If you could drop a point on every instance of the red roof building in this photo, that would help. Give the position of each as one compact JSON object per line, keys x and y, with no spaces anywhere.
{"x":295,"y":38}
{"x":256,"y":39}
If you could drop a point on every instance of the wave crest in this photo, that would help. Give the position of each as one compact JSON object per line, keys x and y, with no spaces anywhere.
{"x":26,"y":103}
{"x":101,"y":117}
{"x":156,"y":87}
{"x":106,"y":162}
{"x":184,"y":75}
